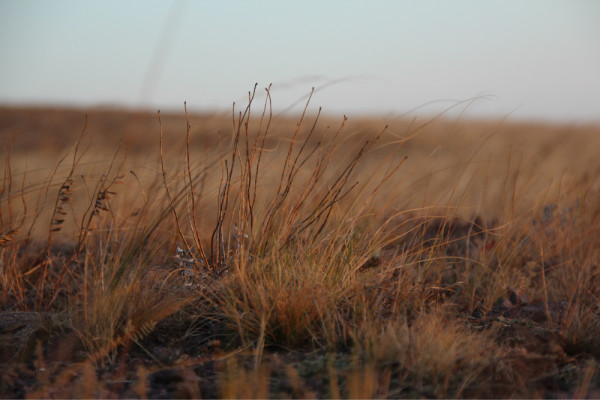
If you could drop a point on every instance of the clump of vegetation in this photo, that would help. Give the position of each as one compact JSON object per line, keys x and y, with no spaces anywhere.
{"x":312,"y":258}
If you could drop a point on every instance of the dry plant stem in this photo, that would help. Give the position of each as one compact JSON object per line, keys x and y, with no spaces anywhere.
{"x":281,"y":196}
{"x":239,"y":208}
{"x":335,"y":193}
{"x":192,"y":193}
{"x":217,"y":239}
{"x":295,"y":166}
{"x":7,"y":189}
{"x":24,"y":203}
{"x":41,"y":200}
{"x":257,"y":152}
{"x":246,"y":180}
{"x":13,"y":227}
{"x":323,"y":209}
{"x":100,"y":203}
{"x":6,"y":234}
{"x":244,"y":118}
{"x":545,"y":286}
{"x":262,"y":145}
{"x":142,"y":190}
{"x":219,"y":202}
{"x":170,"y":198}
{"x":240,"y":205}
{"x":63,"y":197}
{"x":291,"y":148}
{"x":323,"y":159}
{"x":5,"y":182}
{"x":253,"y":158}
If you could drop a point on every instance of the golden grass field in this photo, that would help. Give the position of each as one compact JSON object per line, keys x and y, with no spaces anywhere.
{"x":257,"y":255}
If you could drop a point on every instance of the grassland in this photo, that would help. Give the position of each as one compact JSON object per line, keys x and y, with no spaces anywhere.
{"x":252,"y":255}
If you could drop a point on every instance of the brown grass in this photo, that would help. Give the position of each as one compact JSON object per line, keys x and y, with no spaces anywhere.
{"x":194,"y":255}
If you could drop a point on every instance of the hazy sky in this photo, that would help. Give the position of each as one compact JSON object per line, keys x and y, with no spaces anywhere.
{"x":530,"y":59}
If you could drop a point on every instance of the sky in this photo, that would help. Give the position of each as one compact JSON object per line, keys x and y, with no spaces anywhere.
{"x":524,"y":60}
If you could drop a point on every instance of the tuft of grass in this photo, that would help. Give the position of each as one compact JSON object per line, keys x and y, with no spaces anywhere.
{"x":262,"y":256}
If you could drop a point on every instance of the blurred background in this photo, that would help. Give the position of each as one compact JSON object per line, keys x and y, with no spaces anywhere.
{"x":535,"y":60}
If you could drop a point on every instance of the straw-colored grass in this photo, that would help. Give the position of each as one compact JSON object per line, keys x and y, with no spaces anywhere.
{"x":268,"y":256}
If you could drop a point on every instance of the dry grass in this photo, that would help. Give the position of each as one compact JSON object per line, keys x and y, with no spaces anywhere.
{"x":267,"y":256}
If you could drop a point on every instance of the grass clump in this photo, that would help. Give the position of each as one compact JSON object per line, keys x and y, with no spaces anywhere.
{"x":306,"y":258}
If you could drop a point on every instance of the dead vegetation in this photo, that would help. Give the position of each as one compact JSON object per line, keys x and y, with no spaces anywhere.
{"x":267,"y":257}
